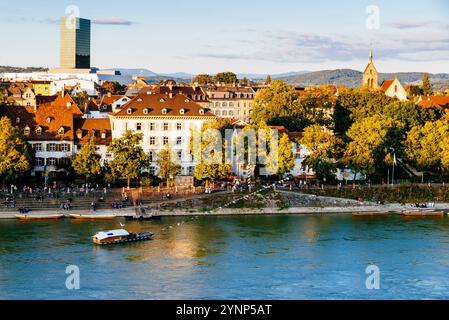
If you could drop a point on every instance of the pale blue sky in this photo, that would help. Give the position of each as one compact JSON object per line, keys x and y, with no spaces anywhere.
{"x":243,"y":36}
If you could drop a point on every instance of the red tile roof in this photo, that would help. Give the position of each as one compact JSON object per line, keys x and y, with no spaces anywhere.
{"x":49,"y":117}
{"x":194,"y":93}
{"x":84,"y":128}
{"x":153,"y":105}
{"x":434,"y":101}
{"x":386,"y":84}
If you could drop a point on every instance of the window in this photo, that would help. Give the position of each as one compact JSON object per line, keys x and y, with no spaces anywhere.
{"x":138,"y":126}
{"x":48,"y":119}
{"x":224,"y":104}
{"x":151,"y":126}
{"x":164,"y":111}
{"x":129,"y":111}
{"x":182,"y":111}
{"x":165,"y":126}
{"x":61,"y":130}
{"x":225,"y":113}
{"x":65,"y":147}
{"x":103,"y":135}
{"x":179,"y":141}
{"x":180,"y":155}
{"x":51,"y":161}
{"x":165,"y":141}
{"x":152,"y":141}
{"x":152,"y":171}
{"x":28,"y":104}
{"x":37,"y":147}
{"x":231,"y":113}
{"x":217,"y":104}
{"x":39,"y":162}
{"x":26,"y":131}
{"x":151,"y":156}
{"x":218,"y":112}
{"x":190,"y":171}
{"x":18,"y":120}
{"x":51,"y":147}
{"x":145,"y":111}
{"x":179,"y":126}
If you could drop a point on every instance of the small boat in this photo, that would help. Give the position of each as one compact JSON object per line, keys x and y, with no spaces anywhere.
{"x":92,"y":216}
{"x":39,"y":216}
{"x":371,"y":214}
{"x":144,"y":214}
{"x":120,"y":236}
{"x":422,"y":213}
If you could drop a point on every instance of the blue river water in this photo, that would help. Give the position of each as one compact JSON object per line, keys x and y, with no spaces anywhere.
{"x":239,"y":257}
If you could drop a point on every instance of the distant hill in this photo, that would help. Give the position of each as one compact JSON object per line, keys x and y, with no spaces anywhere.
{"x":21,"y":70}
{"x":353,"y":78}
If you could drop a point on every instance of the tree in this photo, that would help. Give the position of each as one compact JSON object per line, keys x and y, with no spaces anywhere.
{"x":286,"y":159}
{"x":226,"y":78}
{"x":113,"y":87}
{"x":81,"y":100}
{"x":15,"y":155}
{"x":203,"y":79}
{"x":426,"y":86}
{"x":413,"y":91}
{"x":87,"y":162}
{"x":368,"y":146}
{"x":129,"y":158}
{"x":168,"y":167}
{"x":426,"y":145}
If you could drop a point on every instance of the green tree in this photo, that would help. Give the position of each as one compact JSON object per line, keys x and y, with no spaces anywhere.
{"x":368,"y":145}
{"x":129,"y":158}
{"x":413,"y":91}
{"x":87,"y":162}
{"x":81,"y":100}
{"x":168,"y":166}
{"x":113,"y":87}
{"x":15,"y":154}
{"x":285,"y":157}
{"x":426,"y":145}
{"x":203,"y":79}
{"x":226,"y":78}
{"x":426,"y":86}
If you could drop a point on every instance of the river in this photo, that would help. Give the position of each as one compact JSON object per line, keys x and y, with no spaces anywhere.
{"x":234,"y":257}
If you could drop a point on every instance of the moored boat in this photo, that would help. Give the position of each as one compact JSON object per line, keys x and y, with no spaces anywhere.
{"x":92,"y":216}
{"x":39,"y":216}
{"x":120,"y":236}
{"x":371,"y":214}
{"x":422,"y":213}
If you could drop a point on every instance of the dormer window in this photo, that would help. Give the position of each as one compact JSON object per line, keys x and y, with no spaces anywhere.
{"x":48,"y":120}
{"x":68,"y":105}
{"x":187,"y":100}
{"x":162,"y":100}
{"x":164,"y":111}
{"x":103,"y":135}
{"x":26,"y":131}
{"x":145,"y":111}
{"x":18,"y":120}
{"x":39,"y":131}
{"x":79,"y":133}
{"x":139,"y":100}
{"x":129,"y":111}
{"x":182,"y":111}
{"x":61,"y":130}
{"x":202,"y":112}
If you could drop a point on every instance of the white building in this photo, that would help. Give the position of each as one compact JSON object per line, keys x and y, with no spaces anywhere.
{"x":163,"y":119}
{"x":394,"y":89}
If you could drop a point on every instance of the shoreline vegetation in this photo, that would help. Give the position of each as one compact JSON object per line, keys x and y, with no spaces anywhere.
{"x":284,"y":202}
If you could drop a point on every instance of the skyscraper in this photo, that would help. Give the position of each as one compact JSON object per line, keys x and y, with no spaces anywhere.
{"x":75,"y":43}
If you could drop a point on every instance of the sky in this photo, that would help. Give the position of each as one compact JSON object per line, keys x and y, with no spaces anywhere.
{"x":207,"y":36}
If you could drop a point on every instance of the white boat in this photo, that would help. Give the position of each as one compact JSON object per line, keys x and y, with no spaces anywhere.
{"x":119,"y":236}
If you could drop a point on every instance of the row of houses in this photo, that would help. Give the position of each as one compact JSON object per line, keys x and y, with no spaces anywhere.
{"x":58,"y":129}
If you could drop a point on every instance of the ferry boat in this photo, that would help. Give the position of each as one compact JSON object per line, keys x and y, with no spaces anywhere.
{"x":39,"y":216}
{"x":120,"y":236}
{"x":92,"y":216}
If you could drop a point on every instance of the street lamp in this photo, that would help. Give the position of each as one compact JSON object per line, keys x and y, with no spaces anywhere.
{"x":394,"y":164}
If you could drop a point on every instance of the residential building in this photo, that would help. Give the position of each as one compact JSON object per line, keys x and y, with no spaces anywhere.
{"x":99,"y":129}
{"x":108,"y":103}
{"x":49,"y":128}
{"x":434,"y":101}
{"x":230,"y":102}
{"x":41,"y":87}
{"x":163,"y":120}
{"x":21,"y":94}
{"x":193,"y":92}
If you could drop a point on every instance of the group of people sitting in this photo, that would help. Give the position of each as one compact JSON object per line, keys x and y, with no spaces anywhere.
{"x":423,"y":205}
{"x":24,"y":210}
{"x":65,"y":206}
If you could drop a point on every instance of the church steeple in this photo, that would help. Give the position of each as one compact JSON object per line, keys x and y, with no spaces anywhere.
{"x":370,"y":75}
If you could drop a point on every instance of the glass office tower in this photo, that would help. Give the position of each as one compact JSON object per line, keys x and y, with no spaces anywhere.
{"x":75,"y":43}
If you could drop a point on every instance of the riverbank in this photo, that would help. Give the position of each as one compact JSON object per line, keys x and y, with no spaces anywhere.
{"x":122,"y":213}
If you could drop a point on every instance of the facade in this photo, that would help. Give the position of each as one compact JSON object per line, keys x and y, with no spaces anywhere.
{"x":108,"y":103}
{"x":49,"y":128}
{"x":41,"y":88}
{"x":231,"y":102}
{"x":163,"y":120}
{"x":394,"y":89}
{"x":370,"y":75}
{"x":89,"y":86}
{"x":75,"y":43}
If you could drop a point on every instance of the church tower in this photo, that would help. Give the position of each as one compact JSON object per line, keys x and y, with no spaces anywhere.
{"x":370,"y":75}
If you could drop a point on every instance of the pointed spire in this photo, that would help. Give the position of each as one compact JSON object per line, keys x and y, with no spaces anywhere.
{"x":371,"y":54}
